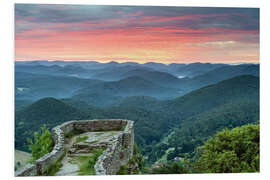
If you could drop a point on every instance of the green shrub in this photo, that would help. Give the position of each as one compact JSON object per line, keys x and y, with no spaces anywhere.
{"x":231,"y":151}
{"x":80,"y":139}
{"x":42,"y":144}
{"x":172,"y":168}
{"x":123,"y":128}
{"x":87,"y":163}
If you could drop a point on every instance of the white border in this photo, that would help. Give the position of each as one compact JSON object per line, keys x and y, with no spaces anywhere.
{"x":7,"y":78}
{"x":206,"y":3}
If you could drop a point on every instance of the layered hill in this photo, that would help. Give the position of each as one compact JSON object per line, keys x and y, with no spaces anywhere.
{"x":62,"y":80}
{"x":29,"y":86}
{"x":220,"y":74}
{"x":175,"y":107}
{"x":131,"y":86}
{"x":240,"y":87}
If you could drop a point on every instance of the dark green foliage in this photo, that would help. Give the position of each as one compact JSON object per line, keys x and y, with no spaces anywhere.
{"x":42,"y":144}
{"x":171,"y":168}
{"x":231,"y":151}
{"x":197,"y":129}
{"x":123,"y":170}
{"x":145,"y":102}
{"x":149,"y":126}
{"x":202,"y":113}
{"x":192,"y":118}
{"x":48,"y":111}
{"x":173,"y":154}
{"x":98,"y":99}
{"x":152,"y":121}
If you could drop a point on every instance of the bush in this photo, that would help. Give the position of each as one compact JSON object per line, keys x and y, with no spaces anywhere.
{"x":231,"y":151}
{"x":87,"y":163}
{"x":42,"y":145}
{"x":172,"y":168}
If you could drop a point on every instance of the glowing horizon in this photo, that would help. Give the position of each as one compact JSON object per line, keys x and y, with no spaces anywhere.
{"x":136,"y":34}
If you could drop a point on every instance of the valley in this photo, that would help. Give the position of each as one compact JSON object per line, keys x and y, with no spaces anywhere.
{"x":173,"y":116}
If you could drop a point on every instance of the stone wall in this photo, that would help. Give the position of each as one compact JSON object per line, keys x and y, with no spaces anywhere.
{"x":116,"y":155}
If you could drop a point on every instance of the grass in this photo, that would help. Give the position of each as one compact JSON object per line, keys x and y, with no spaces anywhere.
{"x":99,"y":134}
{"x":123,"y":128}
{"x":80,"y":139}
{"x":112,"y":133}
{"x":87,"y":163}
{"x":123,"y":170}
{"x":71,"y":134}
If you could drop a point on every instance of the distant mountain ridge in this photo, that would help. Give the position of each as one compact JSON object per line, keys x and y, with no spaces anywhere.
{"x":35,"y":86}
{"x":244,"y":87}
{"x":104,"y":85}
{"x":147,"y":112}
{"x":129,"y":86}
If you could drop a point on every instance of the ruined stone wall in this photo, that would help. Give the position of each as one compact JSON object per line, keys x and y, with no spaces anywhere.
{"x":117,"y":154}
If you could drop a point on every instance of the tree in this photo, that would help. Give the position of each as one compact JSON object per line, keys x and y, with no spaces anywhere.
{"x":231,"y":151}
{"x":171,"y":168}
{"x":42,"y":145}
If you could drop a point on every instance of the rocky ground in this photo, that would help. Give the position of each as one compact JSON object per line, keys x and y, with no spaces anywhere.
{"x":20,"y":159}
{"x":82,"y":145}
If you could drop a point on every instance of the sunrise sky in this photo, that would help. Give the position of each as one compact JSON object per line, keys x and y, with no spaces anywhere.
{"x":136,"y":33}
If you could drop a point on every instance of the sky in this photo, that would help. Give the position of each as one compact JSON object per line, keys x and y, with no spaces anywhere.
{"x":136,"y":33}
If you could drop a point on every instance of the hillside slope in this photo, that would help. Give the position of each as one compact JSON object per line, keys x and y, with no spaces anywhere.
{"x":131,"y":86}
{"x":193,"y":131}
{"x":48,"y":111}
{"x":29,"y":86}
{"x":153,"y":118}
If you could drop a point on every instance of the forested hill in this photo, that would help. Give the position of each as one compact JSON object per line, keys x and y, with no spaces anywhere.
{"x":234,"y":89}
{"x":48,"y":111}
{"x":194,"y":130}
{"x":153,"y":118}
